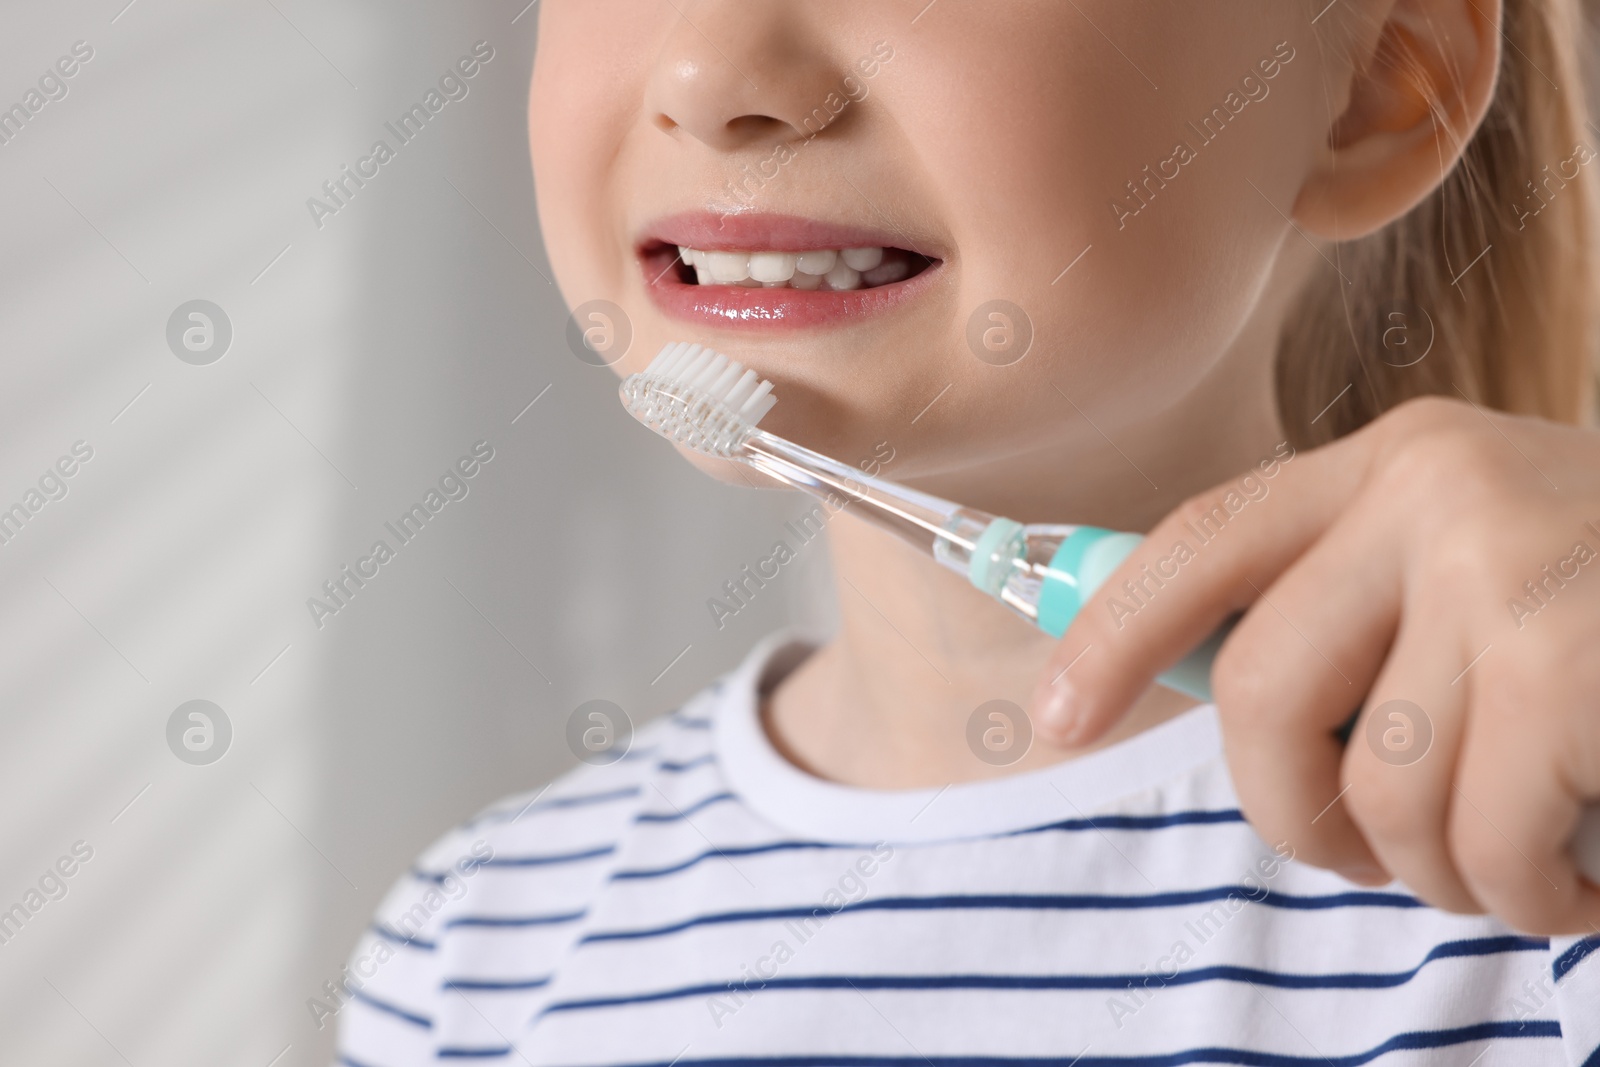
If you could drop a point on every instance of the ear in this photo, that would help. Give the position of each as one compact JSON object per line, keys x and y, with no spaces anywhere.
{"x":1418,"y":89}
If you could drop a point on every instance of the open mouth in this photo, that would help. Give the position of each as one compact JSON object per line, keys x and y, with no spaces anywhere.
{"x":827,"y":270}
{"x":774,"y":271}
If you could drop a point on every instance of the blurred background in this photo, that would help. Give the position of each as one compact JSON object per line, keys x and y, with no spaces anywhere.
{"x":225,"y":365}
{"x":179,"y":479}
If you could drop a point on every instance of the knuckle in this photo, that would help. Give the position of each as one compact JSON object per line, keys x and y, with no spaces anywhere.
{"x":1454,"y":484}
{"x":1327,"y":844}
{"x":1426,"y":412}
{"x":1520,"y":911}
{"x":1380,"y":805}
{"x":1454,"y":899}
{"x":1242,"y":682}
{"x":1437,"y":458}
{"x":1264,"y":813}
{"x":1482,"y":860}
{"x":1325,"y":849}
{"x":1503,"y":879}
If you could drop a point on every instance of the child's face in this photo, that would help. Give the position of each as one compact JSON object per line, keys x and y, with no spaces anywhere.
{"x":997,"y":140}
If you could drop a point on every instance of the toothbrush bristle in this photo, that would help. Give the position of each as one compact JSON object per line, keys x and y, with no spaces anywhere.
{"x":698,"y":397}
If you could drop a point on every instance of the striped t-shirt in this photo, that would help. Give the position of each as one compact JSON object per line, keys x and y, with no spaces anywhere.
{"x":704,"y":902}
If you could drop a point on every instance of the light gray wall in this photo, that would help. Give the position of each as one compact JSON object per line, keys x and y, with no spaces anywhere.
{"x":367,"y":355}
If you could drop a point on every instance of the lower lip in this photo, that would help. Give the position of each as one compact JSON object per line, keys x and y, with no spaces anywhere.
{"x":736,"y":307}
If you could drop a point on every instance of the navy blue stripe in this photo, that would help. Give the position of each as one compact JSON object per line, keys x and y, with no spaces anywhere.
{"x":1035,"y":902}
{"x":346,"y":1061}
{"x":731,"y":850}
{"x":634,"y":754}
{"x":472,"y":1053}
{"x":400,"y":1013}
{"x":549,"y":860}
{"x":469,"y":984}
{"x":1593,"y":1059}
{"x":516,"y":920}
{"x":687,"y":765}
{"x":682,"y":813}
{"x":401,"y":939}
{"x":1140,"y":822}
{"x":1487,"y":946}
{"x":1106,"y":822}
{"x":1573,"y":956}
{"x":555,"y":803}
{"x":1416,"y":1039}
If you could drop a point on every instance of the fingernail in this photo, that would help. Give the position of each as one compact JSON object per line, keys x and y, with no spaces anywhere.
{"x":1059,"y":712}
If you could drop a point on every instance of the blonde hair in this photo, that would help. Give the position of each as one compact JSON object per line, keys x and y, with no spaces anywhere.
{"x":1514,"y":330}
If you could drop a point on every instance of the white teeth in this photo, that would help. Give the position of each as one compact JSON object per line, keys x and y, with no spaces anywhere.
{"x":862,"y":259}
{"x":772,"y":266}
{"x":729,"y":266}
{"x":828,"y":269}
{"x":818,"y":263}
{"x":843,"y":277}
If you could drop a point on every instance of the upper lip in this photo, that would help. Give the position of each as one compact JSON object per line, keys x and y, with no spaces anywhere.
{"x":710,"y":232}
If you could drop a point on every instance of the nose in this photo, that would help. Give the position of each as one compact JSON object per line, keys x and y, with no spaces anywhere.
{"x":735,"y":73}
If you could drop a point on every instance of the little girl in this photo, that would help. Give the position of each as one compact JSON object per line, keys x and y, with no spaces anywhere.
{"x":1081,"y":261}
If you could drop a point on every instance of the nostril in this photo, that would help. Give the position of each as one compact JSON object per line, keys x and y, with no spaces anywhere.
{"x":748,"y":127}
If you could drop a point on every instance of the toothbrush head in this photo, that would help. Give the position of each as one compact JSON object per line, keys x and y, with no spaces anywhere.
{"x":699,"y":398}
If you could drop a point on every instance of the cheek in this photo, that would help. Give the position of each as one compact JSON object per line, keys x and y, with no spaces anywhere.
{"x":582,"y":103}
{"x":1031,"y":171}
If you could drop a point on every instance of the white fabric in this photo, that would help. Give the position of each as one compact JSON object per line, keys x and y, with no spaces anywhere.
{"x":705,"y":902}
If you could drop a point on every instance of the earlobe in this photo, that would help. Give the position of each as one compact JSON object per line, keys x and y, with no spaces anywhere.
{"x":1413,"y":106}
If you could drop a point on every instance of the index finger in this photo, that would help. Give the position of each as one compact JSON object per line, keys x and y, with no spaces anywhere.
{"x":1206,"y":561}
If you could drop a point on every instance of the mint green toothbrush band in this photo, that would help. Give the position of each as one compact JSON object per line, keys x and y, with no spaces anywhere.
{"x":1081,"y":565}
{"x":993,"y":553}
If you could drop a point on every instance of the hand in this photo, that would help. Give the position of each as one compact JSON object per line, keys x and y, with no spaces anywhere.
{"x":1437,"y":570}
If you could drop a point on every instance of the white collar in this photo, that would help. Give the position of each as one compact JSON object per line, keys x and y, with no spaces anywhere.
{"x":819,"y":809}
